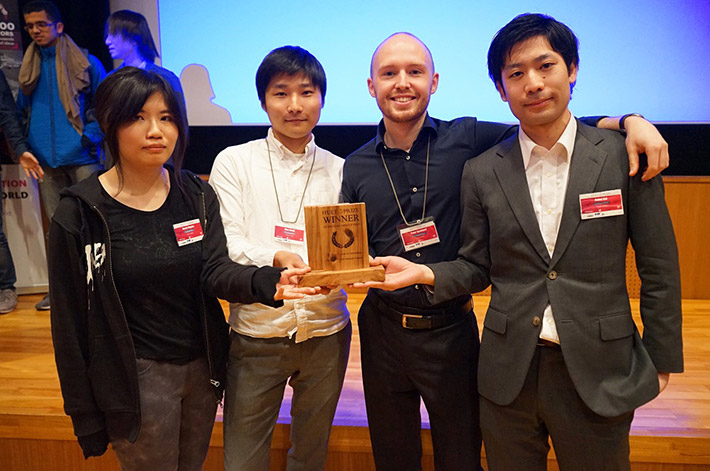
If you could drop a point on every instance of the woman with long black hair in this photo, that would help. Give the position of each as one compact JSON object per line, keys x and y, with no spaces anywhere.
{"x":137,"y":259}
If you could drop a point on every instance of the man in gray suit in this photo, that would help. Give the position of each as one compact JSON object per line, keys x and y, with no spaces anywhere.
{"x":546,"y":219}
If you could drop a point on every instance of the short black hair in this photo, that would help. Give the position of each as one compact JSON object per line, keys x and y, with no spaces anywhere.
{"x":289,"y":60}
{"x":133,"y":27}
{"x":120,"y":97}
{"x":526,"y":26}
{"x":43,"y":5}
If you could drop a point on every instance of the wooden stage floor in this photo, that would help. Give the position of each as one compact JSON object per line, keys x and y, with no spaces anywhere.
{"x":671,"y":433}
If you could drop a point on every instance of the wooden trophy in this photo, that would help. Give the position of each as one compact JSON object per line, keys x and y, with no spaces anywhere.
{"x":337,"y":246}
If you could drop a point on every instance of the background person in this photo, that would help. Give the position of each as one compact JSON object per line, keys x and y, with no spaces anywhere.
{"x":128,"y":39}
{"x":58,"y":81}
{"x":137,"y":256}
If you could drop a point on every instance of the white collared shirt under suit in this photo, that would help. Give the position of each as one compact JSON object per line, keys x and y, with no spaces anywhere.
{"x":578,"y":383}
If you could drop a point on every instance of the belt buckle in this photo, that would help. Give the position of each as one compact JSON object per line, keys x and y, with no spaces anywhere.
{"x":405,"y":324}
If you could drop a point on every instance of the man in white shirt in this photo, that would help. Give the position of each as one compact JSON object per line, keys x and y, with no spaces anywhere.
{"x":262,"y":187}
{"x":546,"y":218}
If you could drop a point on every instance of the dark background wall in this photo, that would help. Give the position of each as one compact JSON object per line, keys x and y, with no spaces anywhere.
{"x":689,"y":144}
{"x":84,"y":21}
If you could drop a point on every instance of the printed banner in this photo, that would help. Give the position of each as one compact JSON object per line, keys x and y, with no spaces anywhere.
{"x":22,"y":223}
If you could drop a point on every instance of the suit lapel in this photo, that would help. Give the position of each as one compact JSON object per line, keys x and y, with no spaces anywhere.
{"x":585,"y":167}
{"x":511,"y":175}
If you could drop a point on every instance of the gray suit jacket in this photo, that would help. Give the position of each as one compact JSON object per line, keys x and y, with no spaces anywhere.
{"x":613,"y":369}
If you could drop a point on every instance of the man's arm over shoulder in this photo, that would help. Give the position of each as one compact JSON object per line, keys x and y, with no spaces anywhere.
{"x":483,"y":135}
{"x":641,"y":137}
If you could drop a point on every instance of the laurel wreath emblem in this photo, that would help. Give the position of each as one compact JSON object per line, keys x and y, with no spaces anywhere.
{"x":350,"y":241}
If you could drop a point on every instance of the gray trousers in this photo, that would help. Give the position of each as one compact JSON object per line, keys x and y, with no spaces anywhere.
{"x":257,"y":373}
{"x":56,"y":179}
{"x":178,"y":408}
{"x":516,"y":436}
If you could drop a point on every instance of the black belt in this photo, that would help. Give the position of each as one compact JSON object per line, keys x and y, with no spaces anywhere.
{"x":428,"y":319}
{"x":548,"y":344}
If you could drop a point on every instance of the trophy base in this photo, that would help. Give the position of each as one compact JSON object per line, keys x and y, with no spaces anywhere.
{"x":342,"y":277}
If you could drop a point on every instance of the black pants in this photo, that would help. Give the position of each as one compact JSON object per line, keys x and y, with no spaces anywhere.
{"x":516,"y":435}
{"x":400,"y":366}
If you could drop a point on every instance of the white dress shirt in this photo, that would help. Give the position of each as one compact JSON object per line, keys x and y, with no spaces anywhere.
{"x":547,"y":172}
{"x":242,"y":177}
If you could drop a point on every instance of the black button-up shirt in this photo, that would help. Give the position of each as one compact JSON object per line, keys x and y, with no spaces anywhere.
{"x":451,"y":144}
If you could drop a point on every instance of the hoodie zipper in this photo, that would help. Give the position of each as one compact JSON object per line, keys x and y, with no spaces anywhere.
{"x":110,"y":265}
{"x":136,"y":392}
{"x":210,"y":365}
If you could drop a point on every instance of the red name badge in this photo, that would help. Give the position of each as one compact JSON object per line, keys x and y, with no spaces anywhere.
{"x":188,"y":232}
{"x":288,"y":234}
{"x":419,"y":235}
{"x":600,"y":205}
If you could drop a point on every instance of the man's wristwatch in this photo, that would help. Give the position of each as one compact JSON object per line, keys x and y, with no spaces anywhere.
{"x":623,"y":119}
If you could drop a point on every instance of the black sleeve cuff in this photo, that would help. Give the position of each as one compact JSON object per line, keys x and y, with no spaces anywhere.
{"x":19,"y":149}
{"x":263,"y":285}
{"x":94,"y":444}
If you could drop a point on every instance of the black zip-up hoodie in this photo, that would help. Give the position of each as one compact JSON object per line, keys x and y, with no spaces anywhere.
{"x":93,"y":346}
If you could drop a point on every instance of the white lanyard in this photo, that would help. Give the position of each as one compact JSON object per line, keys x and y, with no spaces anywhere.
{"x":426,"y":185}
{"x":303,"y":196}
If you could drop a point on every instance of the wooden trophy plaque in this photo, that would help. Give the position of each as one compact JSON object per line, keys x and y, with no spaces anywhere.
{"x":337,"y":246}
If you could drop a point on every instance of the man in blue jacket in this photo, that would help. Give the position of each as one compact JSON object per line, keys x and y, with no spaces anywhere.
{"x":57,"y":85}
